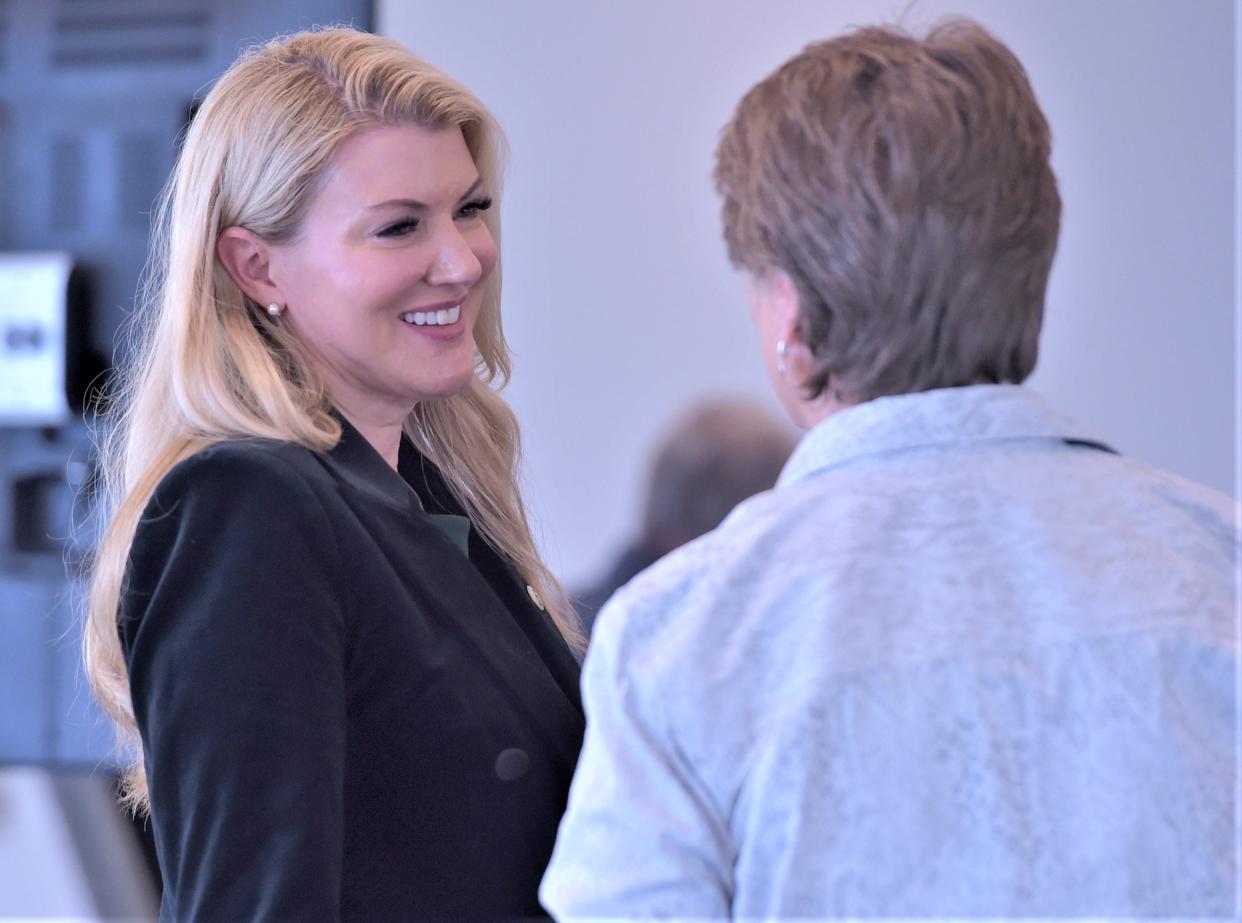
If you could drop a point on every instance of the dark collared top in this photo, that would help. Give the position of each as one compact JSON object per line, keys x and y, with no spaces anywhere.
{"x":343,"y":716}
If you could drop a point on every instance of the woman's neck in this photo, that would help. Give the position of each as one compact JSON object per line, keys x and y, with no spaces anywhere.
{"x":381,"y":428}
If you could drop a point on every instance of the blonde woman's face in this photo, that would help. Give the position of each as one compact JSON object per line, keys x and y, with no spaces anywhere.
{"x":384,"y":283}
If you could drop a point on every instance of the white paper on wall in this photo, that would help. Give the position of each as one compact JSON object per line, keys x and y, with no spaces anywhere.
{"x":33,"y":291}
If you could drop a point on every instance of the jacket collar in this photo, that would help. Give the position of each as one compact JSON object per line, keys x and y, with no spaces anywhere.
{"x":365,"y":469}
{"x":942,"y":417}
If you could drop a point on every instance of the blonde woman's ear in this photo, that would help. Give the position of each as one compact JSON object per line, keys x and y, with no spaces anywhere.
{"x":247,"y":259}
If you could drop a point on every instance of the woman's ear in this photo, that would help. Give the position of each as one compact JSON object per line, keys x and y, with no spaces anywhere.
{"x":777,"y":309}
{"x":784,"y":304}
{"x":775,"y":303}
{"x":246,"y":257}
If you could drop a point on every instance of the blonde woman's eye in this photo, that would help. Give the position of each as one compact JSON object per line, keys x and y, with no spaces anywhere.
{"x":399,"y":229}
{"x":472,"y":209}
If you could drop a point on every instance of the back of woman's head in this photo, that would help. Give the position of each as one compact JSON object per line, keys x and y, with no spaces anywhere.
{"x":904,"y":186}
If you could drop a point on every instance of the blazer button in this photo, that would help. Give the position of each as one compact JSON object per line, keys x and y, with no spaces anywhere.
{"x":534,"y":597}
{"x":512,"y":764}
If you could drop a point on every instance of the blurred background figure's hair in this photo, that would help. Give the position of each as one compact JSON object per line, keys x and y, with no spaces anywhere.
{"x":718,"y":454}
{"x":904,"y":186}
{"x":712,"y":459}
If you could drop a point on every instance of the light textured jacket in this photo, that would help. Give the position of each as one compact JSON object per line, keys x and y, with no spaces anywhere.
{"x":956,"y":664}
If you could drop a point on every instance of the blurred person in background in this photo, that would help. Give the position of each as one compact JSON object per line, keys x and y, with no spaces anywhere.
{"x":317,"y":613}
{"x":715,"y":456}
{"x":964,"y":660}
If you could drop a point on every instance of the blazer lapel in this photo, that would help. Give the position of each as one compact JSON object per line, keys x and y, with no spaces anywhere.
{"x":482,"y":620}
{"x":484,"y":593}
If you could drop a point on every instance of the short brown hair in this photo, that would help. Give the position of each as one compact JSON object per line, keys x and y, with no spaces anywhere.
{"x":905,"y":187}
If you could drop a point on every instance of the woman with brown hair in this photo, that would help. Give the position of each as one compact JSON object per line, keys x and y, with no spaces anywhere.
{"x":964,"y":660}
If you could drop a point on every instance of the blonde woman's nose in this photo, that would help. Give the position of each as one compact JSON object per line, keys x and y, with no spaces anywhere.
{"x":455,"y":261}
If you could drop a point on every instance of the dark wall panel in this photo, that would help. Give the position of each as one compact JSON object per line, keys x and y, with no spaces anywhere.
{"x":93,"y":94}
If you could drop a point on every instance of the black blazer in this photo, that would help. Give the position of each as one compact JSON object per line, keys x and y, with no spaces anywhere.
{"x":343,"y":716}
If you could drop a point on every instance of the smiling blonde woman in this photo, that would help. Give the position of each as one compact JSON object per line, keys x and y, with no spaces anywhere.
{"x":345,"y":678}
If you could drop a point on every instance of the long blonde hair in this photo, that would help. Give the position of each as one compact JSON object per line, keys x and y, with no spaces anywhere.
{"x":206,"y":364}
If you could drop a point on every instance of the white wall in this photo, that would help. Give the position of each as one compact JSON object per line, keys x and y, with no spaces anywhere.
{"x":620,"y":304}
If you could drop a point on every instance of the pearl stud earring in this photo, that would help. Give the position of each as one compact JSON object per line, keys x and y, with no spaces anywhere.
{"x":274,"y":309}
{"x":781,"y":350}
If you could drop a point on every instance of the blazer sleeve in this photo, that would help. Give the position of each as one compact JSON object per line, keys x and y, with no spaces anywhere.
{"x":234,"y":638}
